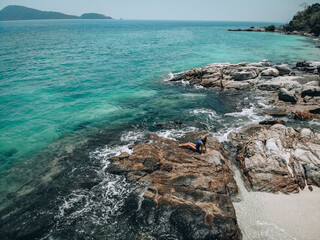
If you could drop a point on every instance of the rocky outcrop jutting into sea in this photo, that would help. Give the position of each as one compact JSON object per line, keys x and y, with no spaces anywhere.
{"x":185,"y":192}
{"x":291,"y":89}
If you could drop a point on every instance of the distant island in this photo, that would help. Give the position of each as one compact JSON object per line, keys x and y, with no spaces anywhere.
{"x":14,"y":12}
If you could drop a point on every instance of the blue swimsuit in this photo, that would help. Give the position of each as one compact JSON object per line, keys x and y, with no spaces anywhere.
{"x":198,"y":145}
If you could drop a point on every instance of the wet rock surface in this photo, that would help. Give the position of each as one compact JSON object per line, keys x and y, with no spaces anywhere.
{"x":288,"y":93}
{"x":276,"y":158}
{"x":188,"y":193}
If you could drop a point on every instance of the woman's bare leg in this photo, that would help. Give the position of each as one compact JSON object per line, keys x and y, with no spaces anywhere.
{"x":184,"y":144}
{"x":190,"y":145}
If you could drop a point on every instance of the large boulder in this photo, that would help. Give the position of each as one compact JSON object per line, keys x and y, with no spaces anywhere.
{"x":283,"y":69}
{"x":277,"y":158}
{"x":287,"y":96}
{"x":310,"y":91}
{"x":270,"y":72}
{"x":245,"y":75}
{"x":191,"y":193}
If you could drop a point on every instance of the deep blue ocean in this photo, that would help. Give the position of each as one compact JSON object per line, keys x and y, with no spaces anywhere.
{"x":83,"y":90}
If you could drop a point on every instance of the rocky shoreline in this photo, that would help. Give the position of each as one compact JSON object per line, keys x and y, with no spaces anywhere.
{"x":196,"y":192}
{"x":294,"y":91}
{"x":275,"y":30}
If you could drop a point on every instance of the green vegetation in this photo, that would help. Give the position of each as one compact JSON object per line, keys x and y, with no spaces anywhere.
{"x":270,"y":28}
{"x":306,"y":21}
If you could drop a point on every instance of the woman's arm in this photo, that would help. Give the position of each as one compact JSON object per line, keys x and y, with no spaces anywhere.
{"x":202,"y":146}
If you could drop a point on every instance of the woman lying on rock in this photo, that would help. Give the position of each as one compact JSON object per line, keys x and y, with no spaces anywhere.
{"x":201,"y":144}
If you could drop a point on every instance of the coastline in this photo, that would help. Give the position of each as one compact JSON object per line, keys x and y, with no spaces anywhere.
{"x":84,"y":189}
{"x":262,"y":29}
{"x":143,"y":196}
{"x":279,"y":166}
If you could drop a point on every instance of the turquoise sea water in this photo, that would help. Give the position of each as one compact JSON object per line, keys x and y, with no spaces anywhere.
{"x":57,"y":75}
{"x":63,"y":81}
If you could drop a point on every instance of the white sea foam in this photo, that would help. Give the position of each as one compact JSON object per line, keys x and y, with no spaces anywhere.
{"x":169,"y":77}
{"x":104,"y":200}
{"x":185,"y":82}
{"x":211,"y":114}
{"x":197,"y":86}
{"x":222,"y":135}
{"x":132,"y":136}
{"x":249,"y":113}
{"x":315,"y":64}
{"x":111,"y":192}
{"x":234,"y":121}
{"x":175,"y":134}
{"x":128,"y":138}
{"x":315,"y":122}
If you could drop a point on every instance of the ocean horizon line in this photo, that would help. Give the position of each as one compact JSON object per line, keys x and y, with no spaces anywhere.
{"x":150,"y":20}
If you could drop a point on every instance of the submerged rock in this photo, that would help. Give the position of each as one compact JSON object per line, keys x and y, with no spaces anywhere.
{"x":277,"y":158}
{"x":191,"y":192}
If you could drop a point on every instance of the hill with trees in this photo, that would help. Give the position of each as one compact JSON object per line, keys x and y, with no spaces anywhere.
{"x":307,"y":21}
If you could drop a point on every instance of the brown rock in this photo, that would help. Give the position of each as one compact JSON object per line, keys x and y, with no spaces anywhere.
{"x":193,"y":190}
{"x":305,"y":115}
{"x":277,"y":158}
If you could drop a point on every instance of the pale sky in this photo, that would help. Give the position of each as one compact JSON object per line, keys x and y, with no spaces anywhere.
{"x":228,"y":10}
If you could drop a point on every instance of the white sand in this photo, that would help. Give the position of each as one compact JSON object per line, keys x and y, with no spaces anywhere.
{"x":278,"y":216}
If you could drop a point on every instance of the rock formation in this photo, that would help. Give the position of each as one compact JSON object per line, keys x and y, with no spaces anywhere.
{"x":190,"y":191}
{"x":276,"y":158}
{"x":288,"y":93}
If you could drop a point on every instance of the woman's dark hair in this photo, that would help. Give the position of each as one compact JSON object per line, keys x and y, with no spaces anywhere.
{"x":205,"y":140}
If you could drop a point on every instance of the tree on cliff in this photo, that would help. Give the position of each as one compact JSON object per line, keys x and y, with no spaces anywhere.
{"x":306,"y":21}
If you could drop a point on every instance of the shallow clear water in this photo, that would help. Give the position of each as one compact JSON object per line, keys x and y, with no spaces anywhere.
{"x":58,"y":76}
{"x":72,"y":88}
